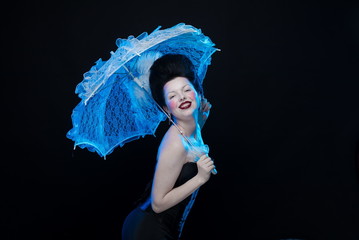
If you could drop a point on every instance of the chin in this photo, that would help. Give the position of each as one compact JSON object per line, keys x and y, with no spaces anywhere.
{"x":188,"y":115}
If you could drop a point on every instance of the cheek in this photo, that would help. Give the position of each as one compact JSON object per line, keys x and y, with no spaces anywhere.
{"x":172,"y":104}
{"x":192,"y":95}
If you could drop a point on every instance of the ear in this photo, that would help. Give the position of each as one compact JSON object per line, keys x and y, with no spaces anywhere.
{"x":166,"y":109}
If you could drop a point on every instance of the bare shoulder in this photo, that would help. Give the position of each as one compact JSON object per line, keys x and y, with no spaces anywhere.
{"x":172,"y":147}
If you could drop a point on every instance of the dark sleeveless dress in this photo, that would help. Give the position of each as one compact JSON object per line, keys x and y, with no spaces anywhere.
{"x":144,"y":224}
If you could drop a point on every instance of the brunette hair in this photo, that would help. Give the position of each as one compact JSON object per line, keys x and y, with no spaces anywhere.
{"x":168,"y":67}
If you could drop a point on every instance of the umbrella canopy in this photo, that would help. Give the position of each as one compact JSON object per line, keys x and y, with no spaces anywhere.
{"x":116,"y":105}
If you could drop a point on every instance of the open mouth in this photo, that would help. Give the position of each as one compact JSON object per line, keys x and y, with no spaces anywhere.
{"x":185,"y":105}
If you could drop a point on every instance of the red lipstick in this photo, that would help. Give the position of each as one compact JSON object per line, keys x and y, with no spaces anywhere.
{"x":185,"y":105}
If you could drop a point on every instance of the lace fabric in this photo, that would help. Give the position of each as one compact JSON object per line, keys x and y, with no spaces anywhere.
{"x":180,"y":39}
{"x":116,"y":105}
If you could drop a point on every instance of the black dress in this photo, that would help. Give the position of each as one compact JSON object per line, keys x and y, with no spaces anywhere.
{"x":144,"y":224}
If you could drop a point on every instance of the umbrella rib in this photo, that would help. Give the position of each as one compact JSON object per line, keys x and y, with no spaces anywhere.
{"x":131,"y":47}
{"x":128,"y":71}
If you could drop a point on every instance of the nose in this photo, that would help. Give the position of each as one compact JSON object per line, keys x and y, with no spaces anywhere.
{"x":182,"y":97}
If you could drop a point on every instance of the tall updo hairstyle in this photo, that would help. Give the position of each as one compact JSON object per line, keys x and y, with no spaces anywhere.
{"x":168,"y":67}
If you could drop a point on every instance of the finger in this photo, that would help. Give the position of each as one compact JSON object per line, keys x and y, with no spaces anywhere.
{"x":207,"y":107}
{"x":203,"y":162}
{"x":204,"y":104}
{"x":205,"y":114}
{"x":209,"y":168}
{"x":209,"y":163}
{"x":203,"y":156}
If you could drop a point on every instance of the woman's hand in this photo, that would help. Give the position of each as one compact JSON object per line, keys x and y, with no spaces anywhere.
{"x":205,"y":165}
{"x":203,"y":112}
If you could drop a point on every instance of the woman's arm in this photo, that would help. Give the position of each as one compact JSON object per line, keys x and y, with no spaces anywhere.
{"x":171,"y":158}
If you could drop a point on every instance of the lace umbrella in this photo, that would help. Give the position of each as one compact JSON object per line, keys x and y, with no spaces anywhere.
{"x":116,"y":106}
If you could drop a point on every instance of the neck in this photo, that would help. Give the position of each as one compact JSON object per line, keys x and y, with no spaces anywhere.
{"x":189,"y":128}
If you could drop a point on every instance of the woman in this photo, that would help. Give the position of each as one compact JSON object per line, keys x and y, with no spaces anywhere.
{"x":183,"y":164}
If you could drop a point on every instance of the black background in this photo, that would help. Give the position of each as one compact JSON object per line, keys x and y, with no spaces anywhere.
{"x":284,"y":127}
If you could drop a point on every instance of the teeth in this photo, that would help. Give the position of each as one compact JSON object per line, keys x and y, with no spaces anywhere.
{"x":185,"y":105}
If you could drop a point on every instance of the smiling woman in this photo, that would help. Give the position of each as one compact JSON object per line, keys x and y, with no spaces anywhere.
{"x":182,"y":168}
{"x":179,"y":94}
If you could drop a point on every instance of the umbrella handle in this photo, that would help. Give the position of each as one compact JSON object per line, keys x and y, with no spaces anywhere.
{"x":214,"y":170}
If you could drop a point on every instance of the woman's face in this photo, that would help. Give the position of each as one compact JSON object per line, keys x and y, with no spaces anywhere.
{"x":182,"y":100}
